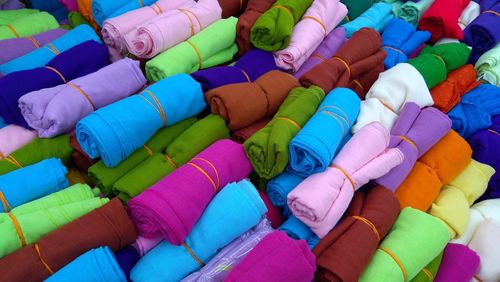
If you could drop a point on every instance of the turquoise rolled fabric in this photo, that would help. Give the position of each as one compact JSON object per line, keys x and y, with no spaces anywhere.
{"x":313,"y":148}
{"x":106,"y":9}
{"x":95,"y":265}
{"x":376,"y":17}
{"x":41,"y":56}
{"x":234,"y":210}
{"x":117,"y":130}
{"x":31,"y":182}
{"x":279,"y":187}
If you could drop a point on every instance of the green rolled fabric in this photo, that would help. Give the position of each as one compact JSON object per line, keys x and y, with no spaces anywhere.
{"x":9,"y":16}
{"x":411,"y":11}
{"x":273,"y":29}
{"x":267,"y":149}
{"x":428,"y":273}
{"x":104,"y":177}
{"x":33,"y":220}
{"x":212,"y":46}
{"x":28,"y":25}
{"x":191,"y":142}
{"x":39,"y":149}
{"x":75,"y":19}
{"x":357,"y":7}
{"x":416,"y":238}
{"x":435,"y":62}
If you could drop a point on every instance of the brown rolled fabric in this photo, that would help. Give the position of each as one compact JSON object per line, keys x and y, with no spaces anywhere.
{"x":344,"y":253}
{"x":241,"y":135}
{"x":80,"y":159}
{"x":255,"y":8}
{"x":108,"y":225}
{"x":232,"y":8}
{"x":242,"y":104}
{"x":360,"y":59}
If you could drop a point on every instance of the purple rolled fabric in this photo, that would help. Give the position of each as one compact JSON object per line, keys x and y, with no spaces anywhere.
{"x":16,"y":47}
{"x":414,"y":133}
{"x":249,"y":67}
{"x":332,"y":42}
{"x":54,"y":111}
{"x":459,"y":264}
{"x":80,"y":60}
{"x":126,"y":259}
{"x":11,"y":5}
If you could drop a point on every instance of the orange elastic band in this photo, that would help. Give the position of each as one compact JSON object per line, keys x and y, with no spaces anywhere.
{"x":396,"y":260}
{"x":57,"y":72}
{"x":1,"y":155}
{"x":477,"y":278}
{"x":345,"y":64}
{"x":150,"y":152}
{"x":316,"y":20}
{"x":33,"y":40}
{"x":37,"y":248}
{"x":462,"y":23}
{"x":196,"y":17}
{"x":12,"y":29}
{"x":246,"y":75}
{"x":491,"y":12}
{"x":493,"y":131}
{"x":319,"y":56}
{"x":193,"y":255}
{"x":169,"y":159}
{"x":440,"y":58}
{"x":409,"y":141}
{"x":394,"y":49}
{"x":344,"y":117}
{"x":160,"y":10}
{"x":191,"y":25}
{"x":284,"y":9}
{"x":158,"y":106}
{"x":52,"y":48}
{"x":6,"y":206}
{"x":359,"y":85}
{"x":13,"y":161}
{"x":370,"y":224}
{"x":346,"y":175}
{"x":213,"y":167}
{"x":294,"y":123}
{"x":17,"y":226}
{"x":140,"y":3}
{"x":336,"y":117}
{"x":83,"y":94}
{"x":387,"y":106}
{"x":206,"y":174}
{"x":197,"y":52}
{"x":428,"y":273}
{"x":347,"y":18}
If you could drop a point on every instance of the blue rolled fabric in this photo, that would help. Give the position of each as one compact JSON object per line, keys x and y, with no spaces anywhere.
{"x":399,"y":40}
{"x":117,"y":130}
{"x":2,"y":122}
{"x":54,"y":7}
{"x":279,"y":187}
{"x":127,"y":258}
{"x":376,"y":17}
{"x":313,"y":148}
{"x":95,"y":265}
{"x":234,"y":210}
{"x":31,"y":182}
{"x":475,"y":110}
{"x":297,"y":230}
{"x":106,"y":9}
{"x":41,"y":56}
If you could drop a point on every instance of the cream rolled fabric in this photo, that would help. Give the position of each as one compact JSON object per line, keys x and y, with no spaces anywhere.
{"x":478,"y":213}
{"x":485,"y":244}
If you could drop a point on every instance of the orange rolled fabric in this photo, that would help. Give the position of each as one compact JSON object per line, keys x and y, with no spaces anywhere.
{"x":85,"y":8}
{"x":436,"y":168}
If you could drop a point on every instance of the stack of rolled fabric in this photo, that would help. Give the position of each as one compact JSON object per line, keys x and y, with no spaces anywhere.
{"x":376,"y":18}
{"x":459,"y":263}
{"x":13,"y":137}
{"x":103,"y":9}
{"x":356,"y":8}
{"x":356,"y":65}
{"x":253,"y":10}
{"x":412,"y":11}
{"x":232,"y":8}
{"x":488,"y":66}
{"x":28,"y":25}
{"x":441,"y":19}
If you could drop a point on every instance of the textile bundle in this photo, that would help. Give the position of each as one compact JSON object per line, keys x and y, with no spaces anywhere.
{"x":488,"y":66}
{"x":28,"y":25}
{"x":279,"y":187}
{"x":376,"y":17}
{"x":489,"y":253}
{"x":441,"y":19}
{"x":479,"y":212}
{"x":253,"y":10}
{"x":297,"y":230}
{"x":459,"y":263}
{"x":102,"y":9}
{"x":14,"y":137}
{"x":411,"y":11}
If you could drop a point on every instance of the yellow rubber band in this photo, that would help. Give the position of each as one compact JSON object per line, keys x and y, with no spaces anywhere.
{"x":6,"y":206}
{"x":197,"y":52}
{"x":346,"y":175}
{"x":316,"y":20}
{"x":398,"y":262}
{"x":33,"y":40}
{"x":204,"y":173}
{"x":47,"y":267}
{"x":193,"y":255}
{"x":370,"y":224}
{"x":57,"y":72}
{"x":345,"y":64}
{"x":294,"y":123}
{"x":79,"y":90}
{"x":17,"y":226}
{"x":13,"y":30}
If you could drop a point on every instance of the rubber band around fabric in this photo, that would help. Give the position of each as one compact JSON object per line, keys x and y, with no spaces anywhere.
{"x":5,"y":203}
{"x":370,"y":224}
{"x":44,"y":263}
{"x":395,"y":258}
{"x":346,"y":175}
{"x":193,"y":255}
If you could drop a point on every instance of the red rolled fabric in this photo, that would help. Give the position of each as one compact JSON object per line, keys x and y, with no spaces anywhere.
{"x":273,"y":213}
{"x":441,"y":19}
{"x":241,"y":135}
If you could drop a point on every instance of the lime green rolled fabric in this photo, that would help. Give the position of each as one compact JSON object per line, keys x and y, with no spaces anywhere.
{"x":488,"y":66}
{"x":27,"y":223}
{"x":210,"y":47}
{"x":191,"y":142}
{"x":428,"y":273}
{"x":104,"y":177}
{"x":9,"y":16}
{"x":28,"y":25}
{"x":267,"y":149}
{"x":38,"y":150}
{"x":411,"y":12}
{"x":416,"y":238}
{"x":273,"y":29}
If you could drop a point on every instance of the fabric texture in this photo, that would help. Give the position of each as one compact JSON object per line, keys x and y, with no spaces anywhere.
{"x":102,"y":9}
{"x":376,"y":17}
{"x":459,"y":263}
{"x":28,"y":25}
{"x":480,"y":34}
{"x":13,"y":137}
{"x":488,"y":66}
{"x":253,"y":10}
{"x":441,"y":19}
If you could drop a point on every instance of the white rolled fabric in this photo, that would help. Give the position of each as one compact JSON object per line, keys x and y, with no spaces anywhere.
{"x":478,"y":213}
{"x":485,"y":244}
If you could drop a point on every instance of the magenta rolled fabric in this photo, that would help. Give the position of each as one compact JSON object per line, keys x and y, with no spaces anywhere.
{"x":56,"y":110}
{"x":13,"y":137}
{"x":172,"y":28}
{"x":143,"y":244}
{"x":318,"y":21}
{"x":115,"y":29}
{"x":171,"y":207}
{"x":17,"y":47}
{"x":320,"y":200}
{"x":459,"y":264}
{"x":415,"y":132}
{"x":70,"y":5}
{"x":277,"y":257}
{"x":327,"y":48}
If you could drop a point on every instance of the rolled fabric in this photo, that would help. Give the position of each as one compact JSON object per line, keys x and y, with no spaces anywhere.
{"x":376,"y":17}
{"x":95,"y":265}
{"x":11,"y":5}
{"x":233,"y":211}
{"x":468,"y":15}
{"x":489,"y":253}
{"x":356,"y":8}
{"x":54,"y":7}
{"x":441,"y":19}
{"x":28,"y":25}
{"x":253,"y":10}
{"x":42,"y":56}
{"x":78,"y":61}
{"x":231,"y":255}
{"x":399,"y":40}
{"x":279,"y":187}
{"x":108,"y":225}
{"x":102,"y":9}
{"x":93,"y":131}
{"x":200,"y":180}
{"x":180,"y":151}
{"x":212,"y":46}
{"x":317,"y":22}
{"x":143,"y":245}
{"x":52,"y":111}
{"x":232,"y":8}
{"x":313,"y":148}
{"x":355,"y":239}
{"x":75,"y":19}
{"x":480,"y":34}
{"x":414,"y":133}
{"x":268,"y":148}
{"x":412,"y":11}
{"x":488,"y":66}
{"x":434,"y":170}
{"x":36,"y":151}
{"x":448,"y":93}
{"x":242,"y":135}
{"x":79,"y":158}
{"x":14,"y":137}
{"x":475,"y":110}
{"x":242,"y":104}
{"x":27,"y":223}
{"x":429,"y":271}
{"x":9,"y":16}
{"x":459,"y":264}
{"x":388,"y":95}
{"x":435,"y":62}
{"x":273,"y":214}
{"x":360,"y":55}
{"x":297,"y":230}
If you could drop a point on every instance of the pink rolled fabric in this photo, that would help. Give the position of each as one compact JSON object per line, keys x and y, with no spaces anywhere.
{"x":171,"y":207}
{"x":277,"y":257}
{"x":143,"y":245}
{"x":320,"y":200}
{"x":459,"y":263}
{"x":70,"y":5}
{"x":115,"y":29}
{"x":13,"y":137}
{"x":171,"y":28}
{"x":318,"y":21}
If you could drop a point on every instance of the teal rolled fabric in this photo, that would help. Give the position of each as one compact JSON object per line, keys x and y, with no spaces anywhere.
{"x":412,"y":11}
{"x":106,"y":9}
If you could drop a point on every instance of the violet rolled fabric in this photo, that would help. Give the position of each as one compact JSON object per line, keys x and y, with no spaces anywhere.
{"x":11,"y":5}
{"x":143,"y":244}
{"x":482,"y":33}
{"x":459,"y":264}
{"x":16,"y":47}
{"x":317,"y":22}
{"x":320,"y":200}
{"x":56,"y":110}
{"x":163,"y":209}
{"x":13,"y":137}
{"x":414,"y":133}
{"x":78,"y":61}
